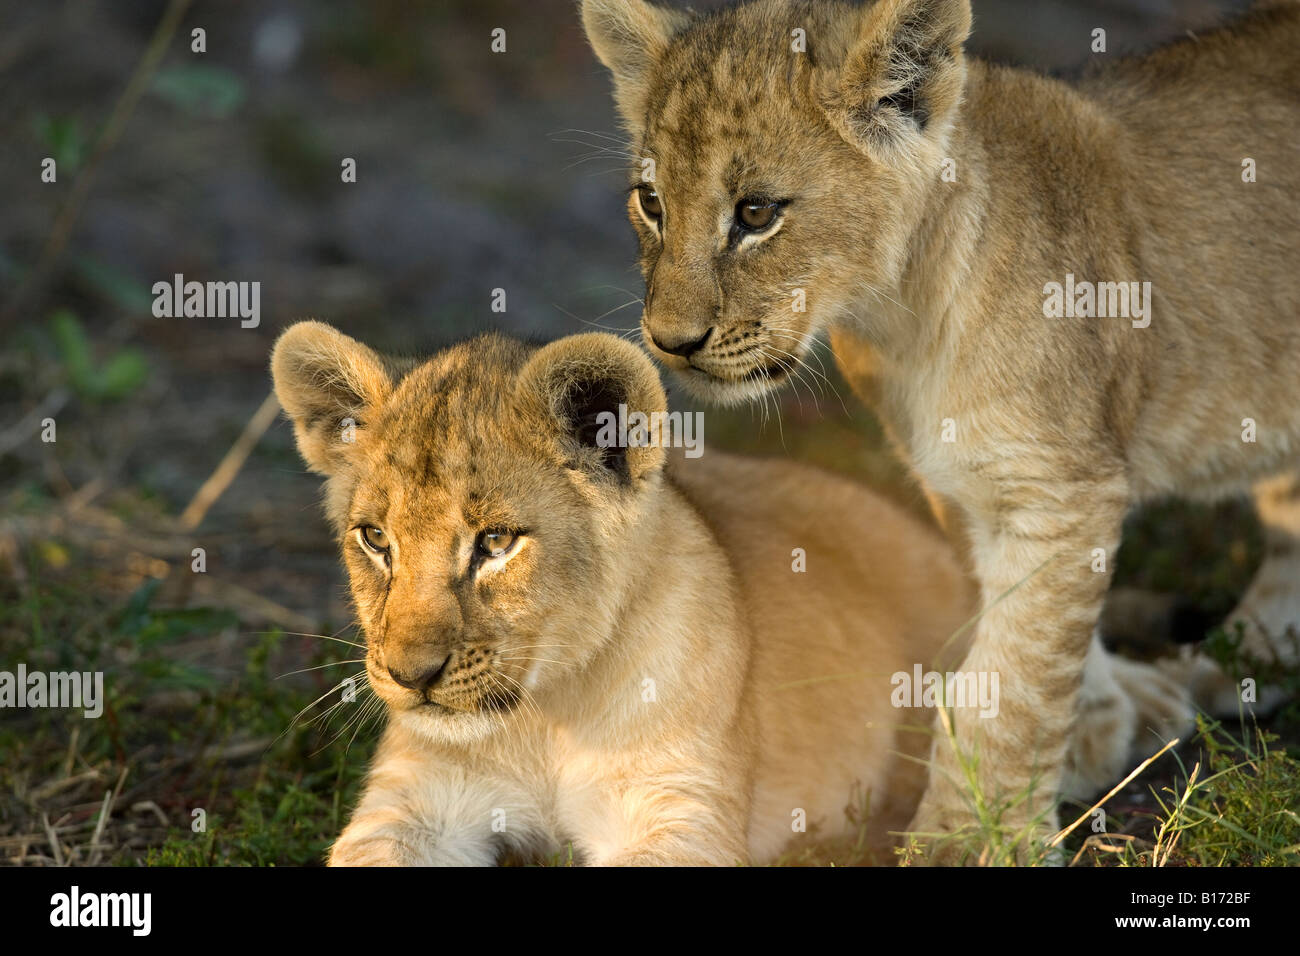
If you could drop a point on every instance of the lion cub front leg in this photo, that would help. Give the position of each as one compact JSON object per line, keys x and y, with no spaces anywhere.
{"x":395,"y":825}
{"x":426,"y":809}
{"x":690,"y":809}
{"x":697,"y":838}
{"x":673,"y":852}
{"x":1035,"y":548}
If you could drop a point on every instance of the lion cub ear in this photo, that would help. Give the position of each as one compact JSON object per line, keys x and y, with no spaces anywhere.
{"x":903,"y":75}
{"x":588,"y":389}
{"x":629,"y":36}
{"x":329,"y":385}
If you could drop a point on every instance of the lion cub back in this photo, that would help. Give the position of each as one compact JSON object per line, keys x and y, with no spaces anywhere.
{"x":842,"y":589}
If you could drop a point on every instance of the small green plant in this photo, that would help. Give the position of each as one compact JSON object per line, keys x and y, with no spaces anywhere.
{"x":119,"y":375}
{"x":1235,"y":807}
{"x":65,"y":139}
{"x":1241,"y":811}
{"x":206,"y":92}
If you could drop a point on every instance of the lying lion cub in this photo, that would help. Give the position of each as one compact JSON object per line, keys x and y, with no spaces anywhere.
{"x":592,"y":646}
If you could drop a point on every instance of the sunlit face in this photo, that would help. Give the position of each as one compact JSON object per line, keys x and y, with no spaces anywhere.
{"x":469,"y":559}
{"x":488,"y":525}
{"x":723,"y":264}
{"x":759,"y":224}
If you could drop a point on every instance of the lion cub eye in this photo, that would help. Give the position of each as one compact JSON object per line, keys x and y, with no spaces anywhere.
{"x":494,"y":544}
{"x":756,"y":214}
{"x":650,"y":204}
{"x":374,"y":539}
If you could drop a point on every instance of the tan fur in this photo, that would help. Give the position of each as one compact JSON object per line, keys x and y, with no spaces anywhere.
{"x":934,"y":290}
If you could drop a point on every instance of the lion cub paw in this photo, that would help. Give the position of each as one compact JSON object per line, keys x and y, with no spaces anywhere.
{"x":1127,"y":711}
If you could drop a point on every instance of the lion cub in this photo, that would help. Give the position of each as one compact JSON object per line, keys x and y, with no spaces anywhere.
{"x":1063,"y":299}
{"x":591,"y":645}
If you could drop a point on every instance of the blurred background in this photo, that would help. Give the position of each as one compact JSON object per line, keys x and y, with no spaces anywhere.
{"x":475,"y":170}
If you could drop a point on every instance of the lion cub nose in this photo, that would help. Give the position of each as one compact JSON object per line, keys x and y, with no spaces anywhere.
{"x":685,"y":348}
{"x":409,"y":674}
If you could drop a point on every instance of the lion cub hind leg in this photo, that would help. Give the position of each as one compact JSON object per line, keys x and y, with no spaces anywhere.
{"x":1269,"y":613}
{"x":1216,"y":692}
{"x":1127,"y":711}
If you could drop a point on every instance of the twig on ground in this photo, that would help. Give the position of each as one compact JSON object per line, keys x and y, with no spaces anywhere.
{"x":49,"y":406}
{"x":226,"y":471}
{"x":1061,"y":835}
{"x":54,"y":840}
{"x":52,"y":787}
{"x":148,"y":806}
{"x":105,"y":810}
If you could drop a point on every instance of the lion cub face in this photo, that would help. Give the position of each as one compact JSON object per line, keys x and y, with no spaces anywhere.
{"x":781,"y":154}
{"x":479,"y":523}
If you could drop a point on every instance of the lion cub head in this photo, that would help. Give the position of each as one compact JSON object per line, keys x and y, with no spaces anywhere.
{"x":488,"y":537}
{"x":781,"y":156}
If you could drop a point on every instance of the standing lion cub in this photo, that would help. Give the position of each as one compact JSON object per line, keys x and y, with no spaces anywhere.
{"x":1063,"y":299}
{"x":586,"y":644}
